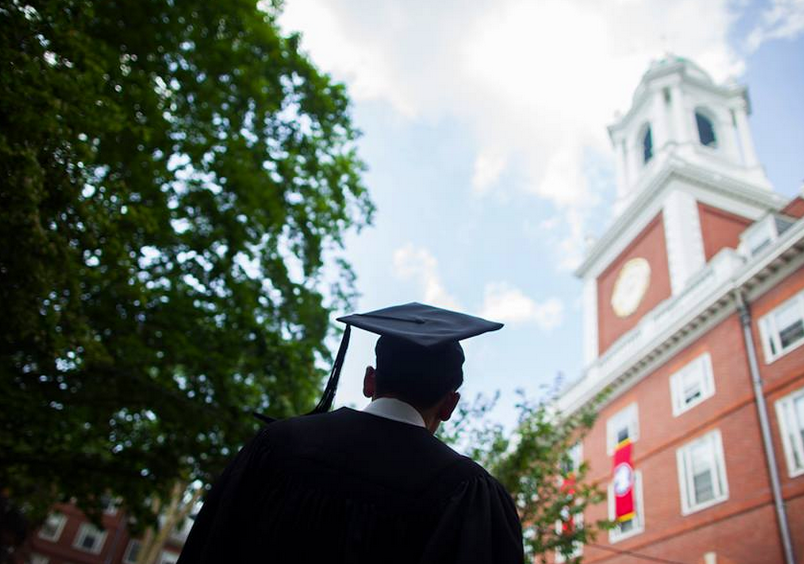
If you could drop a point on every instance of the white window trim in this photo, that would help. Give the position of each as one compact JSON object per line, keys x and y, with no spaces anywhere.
{"x":707,"y":384}
{"x":796,"y":445}
{"x":83,"y":531}
{"x":766,"y":225}
{"x":577,"y":549}
{"x":59,"y":528}
{"x":768,"y":330}
{"x":37,"y":558}
{"x":639,"y":510}
{"x":127,"y":554}
{"x":720,"y":468}
{"x":629,"y":412}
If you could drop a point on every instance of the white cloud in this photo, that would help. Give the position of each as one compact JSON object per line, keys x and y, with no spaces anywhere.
{"x":488,"y":168}
{"x":534,"y":82}
{"x":419,"y":265}
{"x":783,"y":19}
{"x":505,"y":303}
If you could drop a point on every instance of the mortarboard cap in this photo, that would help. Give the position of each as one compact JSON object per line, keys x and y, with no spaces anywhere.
{"x":415,"y":324}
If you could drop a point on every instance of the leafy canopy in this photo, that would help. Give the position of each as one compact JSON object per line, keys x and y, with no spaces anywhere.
{"x":176,"y":181}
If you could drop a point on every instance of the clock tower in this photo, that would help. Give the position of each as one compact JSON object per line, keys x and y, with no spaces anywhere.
{"x":694,"y":332}
{"x":688,"y":185}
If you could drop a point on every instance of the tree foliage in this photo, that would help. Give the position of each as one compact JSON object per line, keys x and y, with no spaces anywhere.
{"x":534,"y":463}
{"x":177,"y":177}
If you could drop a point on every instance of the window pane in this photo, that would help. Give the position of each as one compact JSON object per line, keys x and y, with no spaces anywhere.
{"x":704,"y":487}
{"x":798,"y":424}
{"x":647,"y":146}
{"x":89,"y":541}
{"x":789,"y":323}
{"x":792,"y":333}
{"x":622,"y":434}
{"x":706,"y":131}
{"x":51,"y":526}
{"x":691,"y":382}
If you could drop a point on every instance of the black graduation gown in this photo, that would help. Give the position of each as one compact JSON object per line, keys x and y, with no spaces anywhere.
{"x":351,"y":487}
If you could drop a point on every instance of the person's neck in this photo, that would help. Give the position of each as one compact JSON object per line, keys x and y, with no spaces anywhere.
{"x":429,"y":416}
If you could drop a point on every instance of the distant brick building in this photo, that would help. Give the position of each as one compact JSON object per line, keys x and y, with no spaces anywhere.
{"x":67,"y":537}
{"x":694,"y":316}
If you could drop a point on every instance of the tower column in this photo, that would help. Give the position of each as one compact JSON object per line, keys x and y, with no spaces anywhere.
{"x":680,"y":121}
{"x":620,"y":169}
{"x":682,"y":231}
{"x":744,"y":134}
{"x":659,"y":129}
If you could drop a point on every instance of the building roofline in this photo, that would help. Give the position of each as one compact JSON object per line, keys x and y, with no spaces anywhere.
{"x":682,"y":169}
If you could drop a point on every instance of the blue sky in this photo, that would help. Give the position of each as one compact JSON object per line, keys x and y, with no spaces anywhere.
{"x":484,"y":129}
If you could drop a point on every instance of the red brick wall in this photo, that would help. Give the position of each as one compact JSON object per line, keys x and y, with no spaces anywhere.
{"x":794,"y":208}
{"x":720,"y":229}
{"x":63,"y":552}
{"x":650,"y":245}
{"x":741,"y":529}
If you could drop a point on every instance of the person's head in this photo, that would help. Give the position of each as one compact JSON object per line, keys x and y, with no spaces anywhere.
{"x":426,"y":378}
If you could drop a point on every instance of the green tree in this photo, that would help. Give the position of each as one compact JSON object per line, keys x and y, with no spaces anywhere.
{"x":176,"y":178}
{"x":536,"y":465}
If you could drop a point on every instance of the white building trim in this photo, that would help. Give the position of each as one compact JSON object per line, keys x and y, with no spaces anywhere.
{"x":708,"y":295}
{"x":590,"y":321}
{"x":682,"y":231}
{"x":648,"y":201}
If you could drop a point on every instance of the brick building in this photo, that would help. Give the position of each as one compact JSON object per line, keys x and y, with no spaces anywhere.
{"x":694,"y":316}
{"x":68,"y":537}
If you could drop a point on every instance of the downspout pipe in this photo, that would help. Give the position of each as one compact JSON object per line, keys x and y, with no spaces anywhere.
{"x":764,"y":424}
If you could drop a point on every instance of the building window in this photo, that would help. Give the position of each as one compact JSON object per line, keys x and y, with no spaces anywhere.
{"x":573,"y":460}
{"x":89,"y":538}
{"x":635,"y":524}
{"x":702,"y":473}
{"x":109,"y":505}
{"x":706,"y":130}
{"x":647,"y":145}
{"x":790,"y":412}
{"x":38,"y":559}
{"x":132,"y":552}
{"x":782,"y":330}
{"x":622,"y":425}
{"x":168,"y":557}
{"x":52,"y":527}
{"x":692,"y":384}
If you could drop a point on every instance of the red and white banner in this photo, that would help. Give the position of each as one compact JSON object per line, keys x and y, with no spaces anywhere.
{"x":567,"y":518}
{"x":623,"y":483}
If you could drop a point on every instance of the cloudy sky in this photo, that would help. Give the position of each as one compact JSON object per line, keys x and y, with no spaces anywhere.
{"x":484,"y":129}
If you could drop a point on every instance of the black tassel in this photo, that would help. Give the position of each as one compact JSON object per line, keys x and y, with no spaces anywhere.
{"x":332,"y":384}
{"x":264,"y":418}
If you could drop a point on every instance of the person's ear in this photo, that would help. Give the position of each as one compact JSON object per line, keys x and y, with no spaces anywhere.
{"x":370,"y":382}
{"x":448,"y":405}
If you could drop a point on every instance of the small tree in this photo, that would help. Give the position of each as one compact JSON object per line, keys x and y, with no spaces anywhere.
{"x":535,"y":465}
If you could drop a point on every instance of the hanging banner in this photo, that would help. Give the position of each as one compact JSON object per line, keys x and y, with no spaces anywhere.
{"x":623,"y":483}
{"x":567,"y":518}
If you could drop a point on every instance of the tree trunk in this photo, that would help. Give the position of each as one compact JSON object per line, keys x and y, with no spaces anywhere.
{"x":177,"y":509}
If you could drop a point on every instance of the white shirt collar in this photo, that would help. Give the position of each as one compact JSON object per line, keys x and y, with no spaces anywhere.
{"x":396,"y":410}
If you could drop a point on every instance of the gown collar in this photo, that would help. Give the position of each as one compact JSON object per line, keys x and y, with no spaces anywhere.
{"x":396,"y":410}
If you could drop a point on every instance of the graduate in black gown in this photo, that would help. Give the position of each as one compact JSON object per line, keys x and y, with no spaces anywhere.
{"x":371,"y":486}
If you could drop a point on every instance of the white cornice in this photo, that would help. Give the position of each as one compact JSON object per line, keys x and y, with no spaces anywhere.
{"x":610,"y":245}
{"x":678,"y":68}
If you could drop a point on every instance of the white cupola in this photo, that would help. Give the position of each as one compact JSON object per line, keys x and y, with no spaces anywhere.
{"x":679,"y":113}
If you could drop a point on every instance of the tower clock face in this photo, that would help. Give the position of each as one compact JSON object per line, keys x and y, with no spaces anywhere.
{"x":630,"y":287}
